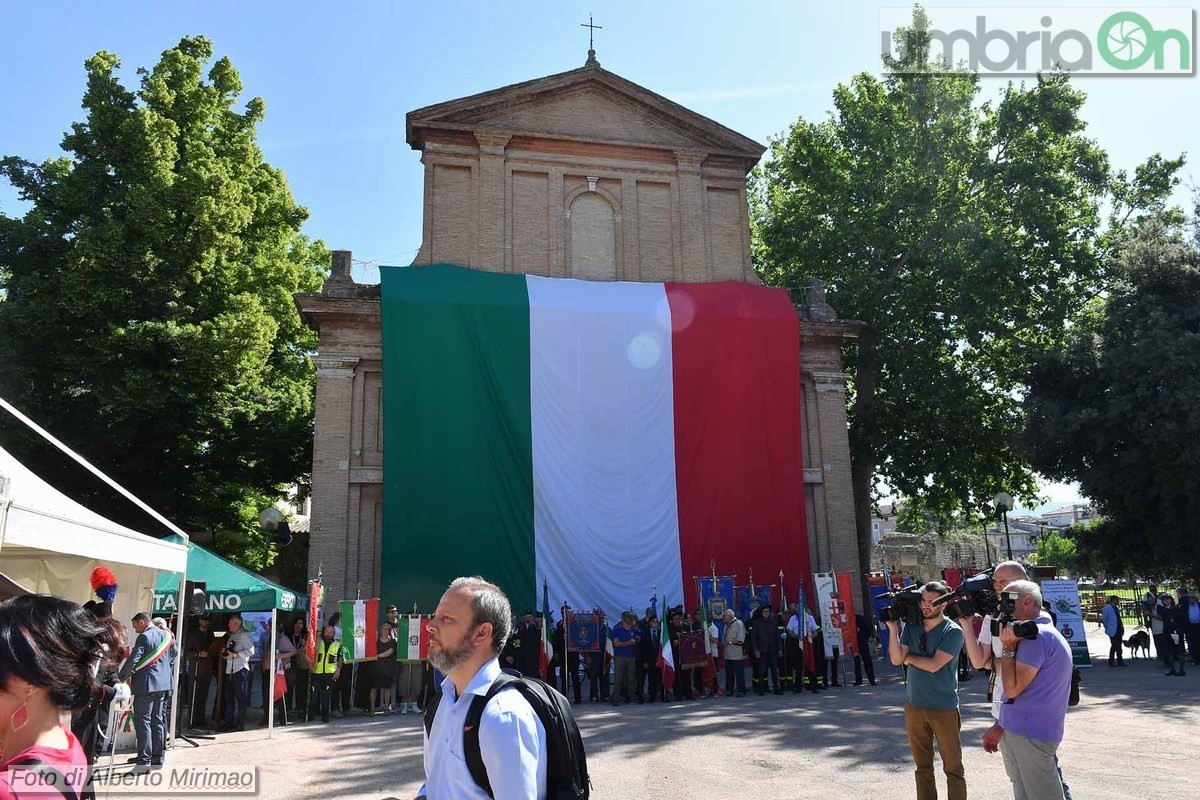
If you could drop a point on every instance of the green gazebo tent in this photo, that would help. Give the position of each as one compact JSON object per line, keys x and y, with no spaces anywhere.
{"x":229,"y":587}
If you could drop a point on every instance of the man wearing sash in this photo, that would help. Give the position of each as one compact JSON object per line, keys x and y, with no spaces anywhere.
{"x":149,"y":669}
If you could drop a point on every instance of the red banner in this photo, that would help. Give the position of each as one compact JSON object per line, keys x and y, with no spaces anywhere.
{"x":692,"y":652}
{"x":314,"y":604}
{"x":849,"y":624}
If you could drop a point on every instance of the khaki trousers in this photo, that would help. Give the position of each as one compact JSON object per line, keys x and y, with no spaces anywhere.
{"x":923,"y":725}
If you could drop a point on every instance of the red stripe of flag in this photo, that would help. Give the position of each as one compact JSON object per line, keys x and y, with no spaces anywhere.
{"x":738,"y":463}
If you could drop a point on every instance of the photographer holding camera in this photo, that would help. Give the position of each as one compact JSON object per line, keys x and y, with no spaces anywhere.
{"x":984,"y":649}
{"x":930,"y":645}
{"x":1035,"y":668}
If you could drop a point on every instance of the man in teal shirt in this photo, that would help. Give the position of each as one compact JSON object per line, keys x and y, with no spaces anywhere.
{"x":930,"y":651}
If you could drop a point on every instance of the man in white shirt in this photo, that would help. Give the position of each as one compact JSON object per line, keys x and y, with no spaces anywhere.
{"x":466,"y":634}
{"x":239,"y":649}
{"x":804,"y":641}
{"x":982,"y":649}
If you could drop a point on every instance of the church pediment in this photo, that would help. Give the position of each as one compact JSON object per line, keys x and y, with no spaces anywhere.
{"x":589,"y":103}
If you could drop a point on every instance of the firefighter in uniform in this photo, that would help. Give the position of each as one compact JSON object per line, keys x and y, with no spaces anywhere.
{"x":789,"y":651}
{"x":326,"y":669}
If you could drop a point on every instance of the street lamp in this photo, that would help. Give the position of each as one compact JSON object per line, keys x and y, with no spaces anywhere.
{"x":1004,"y":503}
{"x":269,"y":519}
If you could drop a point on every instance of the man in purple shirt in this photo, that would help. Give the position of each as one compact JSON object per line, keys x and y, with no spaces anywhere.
{"x":1036,"y":674}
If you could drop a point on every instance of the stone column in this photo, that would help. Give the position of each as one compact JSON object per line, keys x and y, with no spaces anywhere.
{"x":691,"y":214}
{"x":491,"y":210}
{"x":842,"y":543}
{"x":329,"y":534}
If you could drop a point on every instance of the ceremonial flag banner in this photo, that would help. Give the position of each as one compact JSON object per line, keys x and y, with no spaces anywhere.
{"x":716,"y":601}
{"x":831,"y":628}
{"x":360,"y":631}
{"x":314,"y":604}
{"x":849,"y":624}
{"x":413,"y":635}
{"x":666,"y":659}
{"x":580,"y":423}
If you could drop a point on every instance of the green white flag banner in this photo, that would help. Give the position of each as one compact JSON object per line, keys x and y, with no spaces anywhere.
{"x":412,"y":632}
{"x":603,"y":436}
{"x":360,"y":629}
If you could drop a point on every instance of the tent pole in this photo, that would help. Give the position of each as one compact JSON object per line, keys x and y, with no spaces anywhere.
{"x":179,"y":614}
{"x":269,"y":696}
{"x":5,"y":502}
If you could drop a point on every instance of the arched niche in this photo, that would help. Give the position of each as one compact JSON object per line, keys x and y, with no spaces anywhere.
{"x":592,"y":236}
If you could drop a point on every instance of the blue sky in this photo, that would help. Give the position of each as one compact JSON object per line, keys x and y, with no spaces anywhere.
{"x":338,"y":79}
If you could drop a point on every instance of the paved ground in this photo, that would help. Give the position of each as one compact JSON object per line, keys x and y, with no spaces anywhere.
{"x":1133,"y":736}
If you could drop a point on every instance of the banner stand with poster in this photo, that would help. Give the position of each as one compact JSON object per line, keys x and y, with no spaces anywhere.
{"x":1063,"y":597}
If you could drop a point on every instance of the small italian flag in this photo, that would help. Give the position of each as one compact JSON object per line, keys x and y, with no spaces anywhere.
{"x":413,"y":635}
{"x":360,"y":628}
{"x":547,"y":653}
{"x":666,"y":659}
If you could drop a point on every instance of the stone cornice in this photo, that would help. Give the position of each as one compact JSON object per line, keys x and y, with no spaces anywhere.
{"x":475,"y":110}
{"x":319,"y":309}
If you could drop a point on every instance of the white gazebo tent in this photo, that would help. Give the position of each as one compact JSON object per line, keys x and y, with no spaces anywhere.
{"x":50,"y":544}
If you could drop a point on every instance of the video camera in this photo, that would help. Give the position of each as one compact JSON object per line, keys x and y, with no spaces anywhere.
{"x":975,"y":595}
{"x":1025,"y":629}
{"x":905,"y":607}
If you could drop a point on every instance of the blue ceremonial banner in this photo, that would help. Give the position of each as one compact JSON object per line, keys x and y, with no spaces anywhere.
{"x":747,"y":605}
{"x":583,"y":632}
{"x":716,"y":602}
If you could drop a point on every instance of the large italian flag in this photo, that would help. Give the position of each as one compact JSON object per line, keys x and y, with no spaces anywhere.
{"x":606,"y":437}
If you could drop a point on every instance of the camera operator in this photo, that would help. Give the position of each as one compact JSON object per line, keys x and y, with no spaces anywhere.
{"x":931,"y":647}
{"x":1035,"y":668}
{"x":985,"y":648}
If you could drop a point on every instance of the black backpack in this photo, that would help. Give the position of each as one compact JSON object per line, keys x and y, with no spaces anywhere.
{"x":566,"y":762}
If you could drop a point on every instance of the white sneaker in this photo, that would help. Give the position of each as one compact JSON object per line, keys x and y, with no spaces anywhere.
{"x":415,"y":709}
{"x":404,"y":708}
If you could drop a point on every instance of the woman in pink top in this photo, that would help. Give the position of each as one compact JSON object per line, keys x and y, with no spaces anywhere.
{"x":48,"y":647}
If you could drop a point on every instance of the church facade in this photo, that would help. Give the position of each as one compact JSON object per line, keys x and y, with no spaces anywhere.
{"x":582,"y":174}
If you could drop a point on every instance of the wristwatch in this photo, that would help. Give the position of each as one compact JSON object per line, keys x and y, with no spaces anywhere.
{"x":1008,"y":653}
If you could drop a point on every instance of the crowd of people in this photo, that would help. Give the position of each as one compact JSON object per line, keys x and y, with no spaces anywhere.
{"x":81,"y":662}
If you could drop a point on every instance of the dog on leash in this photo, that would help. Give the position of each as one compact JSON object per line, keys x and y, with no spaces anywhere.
{"x":1139,"y":641}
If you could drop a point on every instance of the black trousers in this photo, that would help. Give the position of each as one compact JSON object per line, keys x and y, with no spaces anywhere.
{"x":862,"y":662}
{"x":1115,"y":654}
{"x":735,"y":673}
{"x":833,"y":665}
{"x":654,"y":679}
{"x":322,"y":692}
{"x":684,"y":683}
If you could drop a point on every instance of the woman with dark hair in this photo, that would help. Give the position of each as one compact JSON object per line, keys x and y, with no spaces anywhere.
{"x":301,"y":670}
{"x":48,"y":649}
{"x":89,"y":723}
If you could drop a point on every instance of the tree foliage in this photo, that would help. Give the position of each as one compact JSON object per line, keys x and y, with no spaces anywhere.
{"x":1057,"y":550}
{"x":963,"y":234}
{"x":149,"y":320}
{"x":1117,"y":408}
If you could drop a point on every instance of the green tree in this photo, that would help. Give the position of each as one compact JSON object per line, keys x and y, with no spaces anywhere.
{"x":963,"y":234}
{"x":1117,"y":408}
{"x":149,"y":320}
{"x":1057,"y":550}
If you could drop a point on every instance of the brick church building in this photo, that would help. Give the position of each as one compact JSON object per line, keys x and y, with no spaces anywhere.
{"x":582,"y":174}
